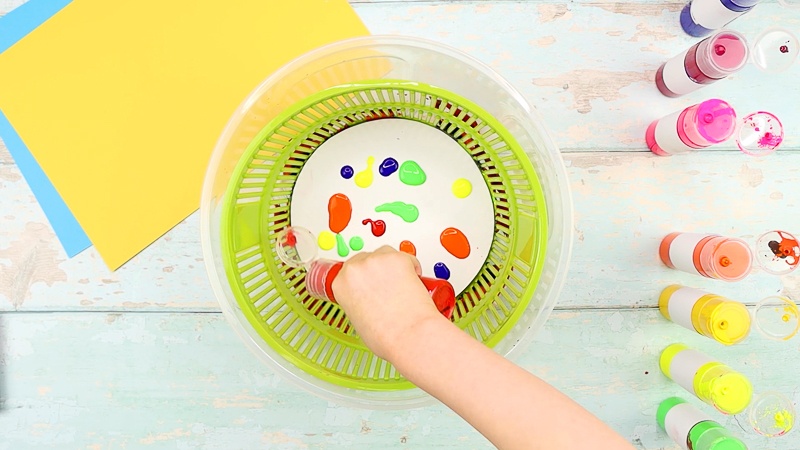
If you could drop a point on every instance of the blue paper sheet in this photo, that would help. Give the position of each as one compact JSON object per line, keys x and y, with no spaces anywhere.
{"x":13,"y":27}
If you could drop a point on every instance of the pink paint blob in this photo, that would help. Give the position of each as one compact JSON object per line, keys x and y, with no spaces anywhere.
{"x":728,"y":51}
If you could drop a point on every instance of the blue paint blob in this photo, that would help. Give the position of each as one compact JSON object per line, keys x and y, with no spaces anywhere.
{"x":441,"y":271}
{"x":347,"y":172}
{"x":388,"y":167}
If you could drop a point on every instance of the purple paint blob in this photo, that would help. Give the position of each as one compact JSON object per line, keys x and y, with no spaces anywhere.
{"x":441,"y":271}
{"x":388,"y":167}
{"x":347,"y":172}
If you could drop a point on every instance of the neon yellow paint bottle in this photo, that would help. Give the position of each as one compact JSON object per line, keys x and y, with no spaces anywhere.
{"x":711,"y":315}
{"x":711,"y":381}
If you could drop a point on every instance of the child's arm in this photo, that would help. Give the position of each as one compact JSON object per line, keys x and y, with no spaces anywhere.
{"x":393,"y":314}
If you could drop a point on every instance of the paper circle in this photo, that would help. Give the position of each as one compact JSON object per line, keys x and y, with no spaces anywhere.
{"x":432,"y":161}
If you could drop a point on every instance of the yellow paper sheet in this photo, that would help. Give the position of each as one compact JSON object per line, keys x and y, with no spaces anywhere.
{"x":121,"y":103}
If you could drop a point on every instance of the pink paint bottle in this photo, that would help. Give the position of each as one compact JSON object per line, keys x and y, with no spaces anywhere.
{"x":708,"y":255}
{"x":693,"y":128}
{"x":711,"y":59}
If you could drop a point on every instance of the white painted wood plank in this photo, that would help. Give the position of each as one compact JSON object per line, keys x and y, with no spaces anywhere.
{"x":589,"y":68}
{"x":624,"y":204}
{"x":108,"y":381}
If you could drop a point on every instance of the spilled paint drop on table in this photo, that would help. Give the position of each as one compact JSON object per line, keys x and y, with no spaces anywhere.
{"x":406,"y":211}
{"x":412,"y":174}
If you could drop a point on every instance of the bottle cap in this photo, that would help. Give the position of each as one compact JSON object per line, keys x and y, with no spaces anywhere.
{"x":296,"y":246}
{"x":710,"y":435}
{"x":776,"y":49}
{"x":731,"y":258}
{"x":771,"y":414}
{"x":760,"y":134}
{"x":728,"y":322}
{"x":778,"y":252}
{"x":777,"y":317}
{"x":730,"y":392}
{"x":716,"y":120}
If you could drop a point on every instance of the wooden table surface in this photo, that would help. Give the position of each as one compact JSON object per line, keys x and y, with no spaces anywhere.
{"x":142,"y":357}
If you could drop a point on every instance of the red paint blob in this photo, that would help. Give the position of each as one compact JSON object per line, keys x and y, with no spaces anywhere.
{"x":784,"y":49}
{"x":378,"y":226}
{"x":408,"y":247}
{"x":339,"y":211}
{"x":454,"y":241}
{"x":719,"y":49}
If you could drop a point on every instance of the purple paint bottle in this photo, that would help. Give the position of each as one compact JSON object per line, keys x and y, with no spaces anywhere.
{"x":711,"y":59}
{"x":701,"y":17}
{"x":693,"y":128}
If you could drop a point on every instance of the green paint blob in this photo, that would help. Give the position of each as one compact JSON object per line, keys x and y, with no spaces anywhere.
{"x":406,"y":211}
{"x":412,"y":174}
{"x":356,"y":243}
{"x":341,"y":246}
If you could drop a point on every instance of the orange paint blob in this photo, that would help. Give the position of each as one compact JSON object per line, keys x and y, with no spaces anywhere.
{"x":339,"y":211}
{"x":454,"y":241}
{"x":408,"y":247}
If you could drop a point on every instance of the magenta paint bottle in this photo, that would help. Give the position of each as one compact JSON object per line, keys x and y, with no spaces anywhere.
{"x":698,"y":126}
{"x":711,"y":59}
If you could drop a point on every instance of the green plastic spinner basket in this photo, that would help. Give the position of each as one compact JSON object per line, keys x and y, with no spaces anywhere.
{"x":315,"y":335}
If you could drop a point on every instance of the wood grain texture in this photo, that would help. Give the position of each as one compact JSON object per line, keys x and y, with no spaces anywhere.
{"x":588,"y":67}
{"x":624,"y":204}
{"x":110,"y":381}
{"x":140,"y":358}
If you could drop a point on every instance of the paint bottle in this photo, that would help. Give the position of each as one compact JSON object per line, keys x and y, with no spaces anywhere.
{"x":711,"y":381}
{"x":692,"y":429}
{"x":322,"y":272}
{"x":701,"y":17}
{"x":711,"y":59}
{"x":709,"y":255}
{"x":726,"y":321}
{"x":696,"y":127}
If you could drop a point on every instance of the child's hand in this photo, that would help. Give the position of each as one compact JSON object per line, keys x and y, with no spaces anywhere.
{"x":383,"y":297}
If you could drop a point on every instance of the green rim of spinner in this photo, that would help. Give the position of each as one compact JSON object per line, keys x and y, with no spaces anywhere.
{"x":315,"y":335}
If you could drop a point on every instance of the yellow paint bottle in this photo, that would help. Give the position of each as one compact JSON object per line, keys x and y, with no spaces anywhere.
{"x":711,"y":381}
{"x":711,"y":315}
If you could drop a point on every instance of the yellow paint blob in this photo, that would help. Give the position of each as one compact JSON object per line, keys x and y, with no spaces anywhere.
{"x":326,"y":240}
{"x":462,"y":188}
{"x":785,"y":318}
{"x":364,"y":178}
